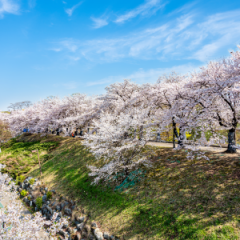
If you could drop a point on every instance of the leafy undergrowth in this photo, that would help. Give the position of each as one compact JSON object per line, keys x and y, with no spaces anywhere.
{"x":176,"y":199}
{"x":18,"y":155}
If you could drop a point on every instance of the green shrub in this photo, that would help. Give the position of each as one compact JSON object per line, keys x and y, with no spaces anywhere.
{"x":39,"y":202}
{"x":20,"y":179}
{"x":49,"y":195}
{"x":24,"y":193}
{"x":29,"y":198}
{"x":31,"y":181}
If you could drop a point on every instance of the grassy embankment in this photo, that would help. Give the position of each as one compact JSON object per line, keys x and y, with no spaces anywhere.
{"x":177,"y":198}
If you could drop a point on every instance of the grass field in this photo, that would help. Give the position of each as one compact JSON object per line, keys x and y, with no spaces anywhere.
{"x":176,"y":198}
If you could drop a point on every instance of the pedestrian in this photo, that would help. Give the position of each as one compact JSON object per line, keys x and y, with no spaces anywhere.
{"x":73,"y":135}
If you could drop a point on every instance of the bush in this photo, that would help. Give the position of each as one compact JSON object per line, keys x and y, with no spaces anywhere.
{"x":49,"y":195}
{"x":31,"y":181}
{"x":24,"y":193}
{"x":39,"y":202}
{"x":20,"y":179}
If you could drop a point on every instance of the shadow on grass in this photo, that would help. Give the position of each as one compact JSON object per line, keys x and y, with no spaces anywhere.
{"x":68,"y":166}
{"x":178,"y":199}
{"x":181,"y":199}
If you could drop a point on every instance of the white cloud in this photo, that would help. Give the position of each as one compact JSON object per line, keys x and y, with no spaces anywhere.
{"x":74,"y":58}
{"x":69,"y":11}
{"x":186,"y":37}
{"x":69,"y":44}
{"x":56,"y":49}
{"x":149,"y":7}
{"x":145,"y":76}
{"x":99,"y":22}
{"x":8,"y":6}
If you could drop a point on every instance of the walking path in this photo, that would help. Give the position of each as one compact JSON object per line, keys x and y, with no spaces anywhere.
{"x":167,"y":145}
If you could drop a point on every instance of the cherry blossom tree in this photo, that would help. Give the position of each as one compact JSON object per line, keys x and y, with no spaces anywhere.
{"x":116,"y":143}
{"x":215,"y":90}
{"x":163,"y":98}
{"x":19,"y":105}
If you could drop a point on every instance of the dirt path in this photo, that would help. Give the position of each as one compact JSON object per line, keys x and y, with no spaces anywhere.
{"x":212,"y":149}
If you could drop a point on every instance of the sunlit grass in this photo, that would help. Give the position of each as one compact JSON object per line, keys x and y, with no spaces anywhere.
{"x":176,"y":199}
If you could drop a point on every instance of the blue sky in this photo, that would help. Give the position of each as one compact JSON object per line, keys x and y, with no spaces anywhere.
{"x":56,"y":48}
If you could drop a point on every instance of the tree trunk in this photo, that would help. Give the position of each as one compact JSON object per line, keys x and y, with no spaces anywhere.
{"x":173,"y":139}
{"x":141,"y":133}
{"x":181,"y":136}
{"x":231,"y":141}
{"x":175,"y":133}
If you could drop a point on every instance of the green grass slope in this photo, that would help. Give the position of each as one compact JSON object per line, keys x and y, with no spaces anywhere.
{"x":175,"y":199}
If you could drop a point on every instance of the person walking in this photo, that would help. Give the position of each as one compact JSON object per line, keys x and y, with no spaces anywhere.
{"x":73,"y":135}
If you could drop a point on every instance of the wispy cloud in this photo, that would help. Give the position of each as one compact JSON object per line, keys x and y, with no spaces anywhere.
{"x":99,"y":22}
{"x":8,"y":6}
{"x":69,"y":44}
{"x":143,"y":76}
{"x":69,"y":11}
{"x":74,"y":58}
{"x":149,"y":7}
{"x":188,"y":36}
{"x":56,"y":49}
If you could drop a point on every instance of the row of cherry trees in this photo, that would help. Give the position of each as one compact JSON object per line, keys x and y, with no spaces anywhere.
{"x":125,"y":117}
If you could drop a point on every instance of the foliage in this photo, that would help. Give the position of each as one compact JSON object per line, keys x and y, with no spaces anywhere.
{"x":116,"y":141}
{"x":20,"y":179}
{"x":20,"y":153}
{"x":9,"y":143}
{"x":24,"y":193}
{"x":31,"y":181}
{"x":39,"y":202}
{"x":49,"y":195}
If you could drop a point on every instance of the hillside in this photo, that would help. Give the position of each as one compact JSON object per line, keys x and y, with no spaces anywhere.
{"x":174,"y":199}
